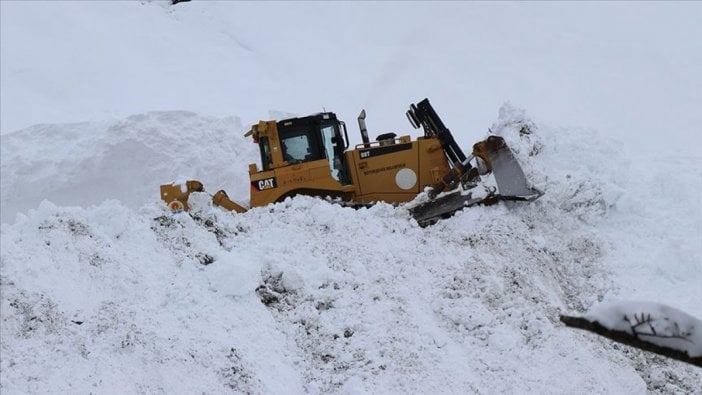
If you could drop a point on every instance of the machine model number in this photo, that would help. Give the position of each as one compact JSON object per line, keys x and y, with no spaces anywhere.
{"x":266,"y":183}
{"x":384,"y":150}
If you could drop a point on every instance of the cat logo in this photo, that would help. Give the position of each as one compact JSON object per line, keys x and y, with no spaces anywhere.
{"x":365,"y":154}
{"x":262,"y":185}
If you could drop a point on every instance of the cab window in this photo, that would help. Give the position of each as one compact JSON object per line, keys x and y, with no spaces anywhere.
{"x":265,"y":148}
{"x":297,"y":147}
{"x":331,"y":150}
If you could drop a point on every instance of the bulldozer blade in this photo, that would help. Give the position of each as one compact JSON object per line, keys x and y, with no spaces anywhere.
{"x":511,"y":185}
{"x":511,"y":181}
{"x":428,"y":213}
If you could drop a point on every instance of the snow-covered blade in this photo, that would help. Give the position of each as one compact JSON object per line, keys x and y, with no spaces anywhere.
{"x":511,"y":182}
{"x":444,"y":206}
{"x":509,"y":176}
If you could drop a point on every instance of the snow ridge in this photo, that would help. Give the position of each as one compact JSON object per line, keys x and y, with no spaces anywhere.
{"x":87,"y":163}
{"x":308,"y":296}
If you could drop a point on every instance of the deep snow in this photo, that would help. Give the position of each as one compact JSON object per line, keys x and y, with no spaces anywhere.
{"x":630,"y":69}
{"x":358,"y":300}
{"x":117,"y":295}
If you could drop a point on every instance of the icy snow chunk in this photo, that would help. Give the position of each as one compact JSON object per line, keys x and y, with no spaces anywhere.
{"x":235,"y":274}
{"x":200,"y":201}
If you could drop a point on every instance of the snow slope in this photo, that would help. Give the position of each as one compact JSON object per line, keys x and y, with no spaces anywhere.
{"x":630,"y":70}
{"x":104,"y":291}
{"x":357,"y":300}
{"x":87,"y":163}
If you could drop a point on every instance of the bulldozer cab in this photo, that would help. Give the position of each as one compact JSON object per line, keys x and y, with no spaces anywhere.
{"x":300,"y":156}
{"x":301,"y":140}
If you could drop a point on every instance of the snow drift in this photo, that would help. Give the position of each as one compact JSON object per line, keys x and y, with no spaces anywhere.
{"x":87,"y":163}
{"x":102,"y":290}
{"x":304,"y":295}
{"x":630,"y":70}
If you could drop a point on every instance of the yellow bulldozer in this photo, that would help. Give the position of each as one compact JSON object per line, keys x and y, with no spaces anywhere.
{"x":311,"y":156}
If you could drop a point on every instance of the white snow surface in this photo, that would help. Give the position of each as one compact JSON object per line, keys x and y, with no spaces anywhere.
{"x":127,"y":159}
{"x":104,"y":291}
{"x":629,"y":69}
{"x":110,"y":297}
{"x":652,"y":322}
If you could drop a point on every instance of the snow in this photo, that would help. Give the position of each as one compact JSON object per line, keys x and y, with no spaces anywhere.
{"x":652,"y":322}
{"x":420,"y":314}
{"x":630,"y":69}
{"x":104,"y":290}
{"x":367,"y":301}
{"x":126,"y":159}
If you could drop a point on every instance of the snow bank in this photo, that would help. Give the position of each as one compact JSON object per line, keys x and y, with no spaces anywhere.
{"x":584,"y":172}
{"x":307,"y":296}
{"x":118,"y":296}
{"x":660,"y":257}
{"x":357,"y":301}
{"x":119,"y":313}
{"x":630,"y":71}
{"x":86,"y":163}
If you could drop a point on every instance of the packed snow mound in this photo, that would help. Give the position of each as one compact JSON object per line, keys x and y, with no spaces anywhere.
{"x":86,"y":163}
{"x":302,"y":296}
{"x":655,"y":232}
{"x":308,"y":296}
{"x":581,"y":171}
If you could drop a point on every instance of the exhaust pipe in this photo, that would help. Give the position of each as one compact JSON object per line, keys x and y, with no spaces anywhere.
{"x":362,"y":126}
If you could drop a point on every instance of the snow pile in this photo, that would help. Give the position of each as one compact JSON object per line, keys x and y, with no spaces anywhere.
{"x":87,"y":163}
{"x":660,"y":259}
{"x":176,"y":298}
{"x":631,"y":72}
{"x":307,"y":296}
{"x":113,"y":294}
{"x":119,"y":313}
{"x":583,"y":172}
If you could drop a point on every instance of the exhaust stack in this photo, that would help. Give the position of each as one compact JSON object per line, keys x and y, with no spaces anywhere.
{"x":362,"y":126}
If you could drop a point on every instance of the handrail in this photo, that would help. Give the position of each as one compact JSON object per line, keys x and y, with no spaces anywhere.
{"x":376,"y":144}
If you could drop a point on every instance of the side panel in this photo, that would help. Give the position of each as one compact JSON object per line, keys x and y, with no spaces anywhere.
{"x":388,"y":173}
{"x":310,"y":178}
{"x":398,"y":172}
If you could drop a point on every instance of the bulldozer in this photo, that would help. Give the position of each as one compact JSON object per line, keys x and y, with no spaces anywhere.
{"x":310,"y":156}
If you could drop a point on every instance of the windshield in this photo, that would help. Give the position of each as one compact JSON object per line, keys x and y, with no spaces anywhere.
{"x":296,"y":148}
{"x":334,"y":151}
